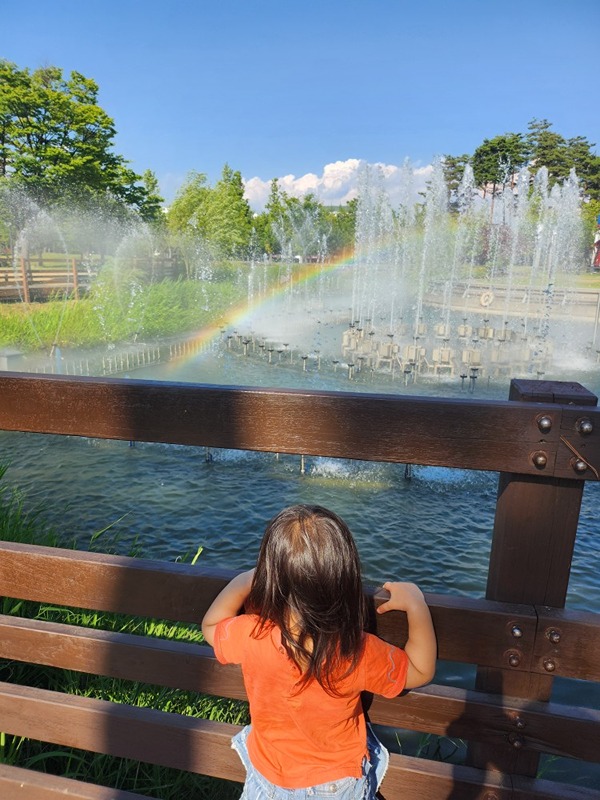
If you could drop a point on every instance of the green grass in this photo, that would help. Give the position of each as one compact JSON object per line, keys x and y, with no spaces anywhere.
{"x":118,"y":311}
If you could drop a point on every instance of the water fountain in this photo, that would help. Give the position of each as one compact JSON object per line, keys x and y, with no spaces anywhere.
{"x":429,"y":295}
{"x":487,"y":291}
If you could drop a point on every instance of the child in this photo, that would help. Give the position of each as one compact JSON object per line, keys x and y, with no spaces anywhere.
{"x":306,"y":659}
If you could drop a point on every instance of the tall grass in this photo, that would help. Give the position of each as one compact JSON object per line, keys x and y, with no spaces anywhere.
{"x":18,"y":524}
{"x":113,"y":312}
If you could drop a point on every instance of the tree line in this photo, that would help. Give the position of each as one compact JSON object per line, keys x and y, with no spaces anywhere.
{"x":496,"y":162}
{"x":288,"y":226}
{"x":57,"y":146}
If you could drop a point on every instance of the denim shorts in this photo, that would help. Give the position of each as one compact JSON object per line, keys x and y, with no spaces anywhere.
{"x":258,"y":787}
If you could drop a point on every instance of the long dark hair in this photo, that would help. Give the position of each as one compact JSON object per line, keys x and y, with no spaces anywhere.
{"x":308,"y":583}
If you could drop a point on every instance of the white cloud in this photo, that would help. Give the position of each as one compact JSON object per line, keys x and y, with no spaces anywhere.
{"x":337,"y":184}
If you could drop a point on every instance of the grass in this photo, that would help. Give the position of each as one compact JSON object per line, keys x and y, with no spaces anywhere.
{"x":117,"y":311}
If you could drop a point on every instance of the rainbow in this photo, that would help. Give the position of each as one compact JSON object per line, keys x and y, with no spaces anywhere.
{"x":240,"y":314}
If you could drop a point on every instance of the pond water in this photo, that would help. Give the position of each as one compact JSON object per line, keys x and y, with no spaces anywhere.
{"x":434,"y":528}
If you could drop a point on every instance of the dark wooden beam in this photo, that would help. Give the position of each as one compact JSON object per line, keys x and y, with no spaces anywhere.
{"x":468,"y":434}
{"x":27,"y":784}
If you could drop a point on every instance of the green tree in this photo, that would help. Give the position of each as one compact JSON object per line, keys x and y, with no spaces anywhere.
{"x":496,"y":161}
{"x":219,"y":215}
{"x":586,"y":164}
{"x":343,"y":226}
{"x":546,"y":148}
{"x":187,"y":211}
{"x":454,"y":167}
{"x":559,"y":155}
{"x":228,"y":215}
{"x":277,"y":227}
{"x":57,"y":142}
{"x":151,"y":210}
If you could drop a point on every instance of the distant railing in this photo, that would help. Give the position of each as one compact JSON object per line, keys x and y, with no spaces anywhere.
{"x":38,"y":278}
{"x":546,"y":446}
{"x":480,"y":297}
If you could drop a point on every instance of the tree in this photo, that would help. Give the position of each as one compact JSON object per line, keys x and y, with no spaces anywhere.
{"x":546,"y":148}
{"x":559,"y":155}
{"x":343,"y":226}
{"x":497,"y":160}
{"x":228,"y":216}
{"x":220,"y":215}
{"x":186,"y":213}
{"x":56,"y":141}
{"x":454,"y":167}
{"x":276,"y":225}
{"x":151,"y":210}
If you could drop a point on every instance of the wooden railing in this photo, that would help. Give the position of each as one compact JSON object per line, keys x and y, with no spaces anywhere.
{"x":28,"y":279}
{"x":546,"y":446}
{"x":47,"y":275}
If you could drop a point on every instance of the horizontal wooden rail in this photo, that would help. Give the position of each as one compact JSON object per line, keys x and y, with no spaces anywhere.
{"x":203,"y":746}
{"x":569,"y":641}
{"x":138,"y":587}
{"x":467,"y":434}
{"x":27,"y":784}
{"x":180,"y":592}
{"x":101,"y":726}
{"x":561,"y":730}
{"x":446,"y":711}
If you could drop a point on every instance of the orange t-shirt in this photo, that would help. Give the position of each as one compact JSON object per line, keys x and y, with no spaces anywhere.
{"x":302,"y":739}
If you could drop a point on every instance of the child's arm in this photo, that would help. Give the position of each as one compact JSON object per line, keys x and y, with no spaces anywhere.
{"x":227,"y":603}
{"x":421,"y":647}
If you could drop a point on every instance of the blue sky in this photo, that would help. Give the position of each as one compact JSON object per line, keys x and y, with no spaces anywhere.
{"x":311,"y":88}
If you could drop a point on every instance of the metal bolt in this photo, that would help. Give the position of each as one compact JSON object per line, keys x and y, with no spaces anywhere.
{"x":514,"y":659}
{"x":516,"y":631}
{"x":549,"y":665}
{"x":516,"y":740}
{"x":553,"y":635}
{"x":539,"y":459}
{"x":579,"y":465}
{"x":544,"y":424}
{"x":519,"y":723}
{"x":584,"y":426}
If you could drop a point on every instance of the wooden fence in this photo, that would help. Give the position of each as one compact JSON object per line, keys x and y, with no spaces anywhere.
{"x":545,"y":442}
{"x":27,"y":279}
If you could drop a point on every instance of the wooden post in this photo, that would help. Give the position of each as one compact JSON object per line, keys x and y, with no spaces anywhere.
{"x":75,"y":279}
{"x":25,"y":279}
{"x":534,"y":535}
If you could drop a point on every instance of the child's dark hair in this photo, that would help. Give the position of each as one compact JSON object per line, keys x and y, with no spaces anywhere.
{"x":308,"y":583}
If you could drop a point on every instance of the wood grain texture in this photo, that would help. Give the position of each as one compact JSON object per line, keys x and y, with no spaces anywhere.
{"x":469,"y":434}
{"x":27,"y":784}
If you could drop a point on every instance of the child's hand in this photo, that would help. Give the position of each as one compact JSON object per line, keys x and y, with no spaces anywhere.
{"x":403,"y":597}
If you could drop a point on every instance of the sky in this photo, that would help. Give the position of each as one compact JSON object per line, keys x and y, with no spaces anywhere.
{"x":308,"y":91}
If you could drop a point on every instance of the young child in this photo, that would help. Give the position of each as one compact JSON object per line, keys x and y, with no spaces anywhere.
{"x":306,"y":659}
